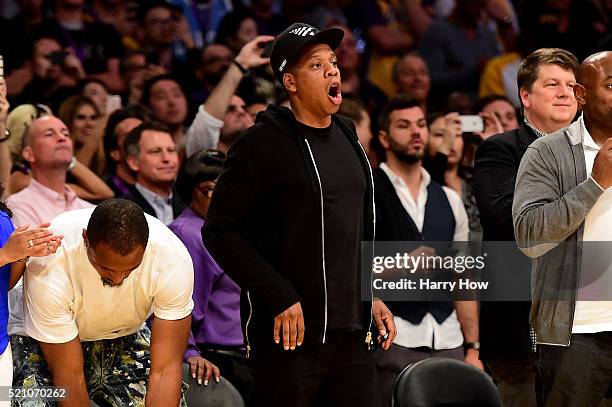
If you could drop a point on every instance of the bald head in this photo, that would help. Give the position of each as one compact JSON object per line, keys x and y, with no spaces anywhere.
{"x":594,"y":92}
{"x":38,"y":126}
{"x":46,"y":143}
{"x":592,"y":67}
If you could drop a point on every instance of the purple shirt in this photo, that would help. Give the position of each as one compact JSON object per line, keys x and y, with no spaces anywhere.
{"x":215,"y":319}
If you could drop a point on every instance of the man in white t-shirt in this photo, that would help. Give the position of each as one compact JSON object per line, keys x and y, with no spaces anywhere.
{"x":85,"y":309}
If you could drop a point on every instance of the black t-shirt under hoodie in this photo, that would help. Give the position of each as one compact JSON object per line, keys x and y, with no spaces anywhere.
{"x":344,"y":187}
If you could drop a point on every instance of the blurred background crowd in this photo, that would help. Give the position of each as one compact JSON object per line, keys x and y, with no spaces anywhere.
{"x":138,"y":88}
{"x":84,"y":60}
{"x":105,"y":66}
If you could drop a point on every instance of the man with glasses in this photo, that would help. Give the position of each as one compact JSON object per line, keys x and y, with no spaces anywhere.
{"x":216,"y":335}
{"x":223,"y":116}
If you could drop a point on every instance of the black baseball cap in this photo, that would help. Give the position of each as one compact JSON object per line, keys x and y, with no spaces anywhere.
{"x":291,"y":42}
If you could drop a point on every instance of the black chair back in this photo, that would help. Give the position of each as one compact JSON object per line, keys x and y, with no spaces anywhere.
{"x":444,"y":382}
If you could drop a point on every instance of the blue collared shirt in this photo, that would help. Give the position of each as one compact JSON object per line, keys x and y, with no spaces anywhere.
{"x":161,"y":205}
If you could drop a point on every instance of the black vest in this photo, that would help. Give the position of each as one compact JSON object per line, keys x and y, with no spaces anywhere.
{"x":394,"y":223}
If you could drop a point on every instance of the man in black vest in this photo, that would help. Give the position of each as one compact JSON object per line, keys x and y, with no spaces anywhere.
{"x":545,"y":80}
{"x":411,"y":207}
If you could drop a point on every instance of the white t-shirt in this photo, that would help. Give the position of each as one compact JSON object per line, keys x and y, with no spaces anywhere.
{"x":64,"y":295}
{"x":591,"y":315}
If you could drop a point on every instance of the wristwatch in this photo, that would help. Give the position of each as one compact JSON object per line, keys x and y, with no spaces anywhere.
{"x":72,"y":164}
{"x":471,"y":345}
{"x":5,"y":136}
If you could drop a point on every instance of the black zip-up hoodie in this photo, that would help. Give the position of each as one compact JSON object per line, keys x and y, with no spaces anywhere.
{"x":264,"y":225}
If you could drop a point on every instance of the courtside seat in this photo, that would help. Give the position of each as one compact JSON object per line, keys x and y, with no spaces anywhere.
{"x":444,"y":382}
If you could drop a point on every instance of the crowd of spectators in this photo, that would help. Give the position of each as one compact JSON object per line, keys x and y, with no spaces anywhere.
{"x":170,"y":56}
{"x":137,"y":89}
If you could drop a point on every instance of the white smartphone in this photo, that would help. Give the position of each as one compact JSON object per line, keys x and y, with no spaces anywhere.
{"x":113,"y":102}
{"x":471,"y":123}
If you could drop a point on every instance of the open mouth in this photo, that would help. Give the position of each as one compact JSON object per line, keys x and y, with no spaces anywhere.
{"x":334,"y":94}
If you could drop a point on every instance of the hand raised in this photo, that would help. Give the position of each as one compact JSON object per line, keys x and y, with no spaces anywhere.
{"x":250,"y":54}
{"x":602,"y":166}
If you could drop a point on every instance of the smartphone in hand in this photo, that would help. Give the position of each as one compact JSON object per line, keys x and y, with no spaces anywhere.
{"x":471,"y":124}
{"x":267,"y":46}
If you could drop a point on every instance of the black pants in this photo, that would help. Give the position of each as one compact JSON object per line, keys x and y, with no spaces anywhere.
{"x":578,"y":375}
{"x":515,"y":380}
{"x":340,"y":372}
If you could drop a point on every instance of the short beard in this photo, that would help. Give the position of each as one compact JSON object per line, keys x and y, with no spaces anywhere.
{"x":400,"y":153}
{"x":107,"y":283}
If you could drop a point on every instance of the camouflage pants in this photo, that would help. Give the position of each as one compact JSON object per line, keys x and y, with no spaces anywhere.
{"x":116,"y":370}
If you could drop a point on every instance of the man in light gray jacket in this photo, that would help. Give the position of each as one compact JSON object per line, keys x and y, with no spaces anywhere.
{"x":562,"y":199}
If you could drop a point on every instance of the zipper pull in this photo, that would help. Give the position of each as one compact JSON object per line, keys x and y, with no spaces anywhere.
{"x":368,"y":339}
{"x":248,"y":351}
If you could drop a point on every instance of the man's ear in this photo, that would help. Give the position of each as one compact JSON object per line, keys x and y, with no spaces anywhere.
{"x":28,"y":154}
{"x":580,"y":92}
{"x":289,"y":82}
{"x":132,"y":162}
{"x":383,"y":137}
{"x":115,"y":155}
{"x":524,"y":95}
{"x":85,"y":240}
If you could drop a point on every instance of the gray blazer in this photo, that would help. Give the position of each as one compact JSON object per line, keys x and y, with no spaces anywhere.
{"x":552,"y":197}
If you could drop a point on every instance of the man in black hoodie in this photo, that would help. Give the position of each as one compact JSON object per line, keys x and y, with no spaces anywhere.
{"x":286,"y":221}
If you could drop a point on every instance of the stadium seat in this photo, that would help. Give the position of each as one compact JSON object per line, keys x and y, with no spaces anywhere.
{"x":444,"y":382}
